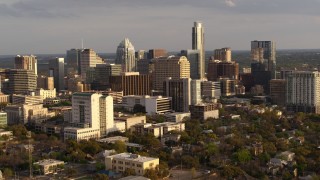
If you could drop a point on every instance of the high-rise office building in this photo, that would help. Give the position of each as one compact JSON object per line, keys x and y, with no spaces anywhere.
{"x":56,"y":70}
{"x":222,"y":69}
{"x":26,"y":62}
{"x":196,"y":91}
{"x":303,"y":91}
{"x":265,"y":52}
{"x":180,"y":91}
{"x":198,"y":44}
{"x":172,"y":66}
{"x":21,"y":81}
{"x":210,"y":90}
{"x":73,"y":61}
{"x":89,"y":59}
{"x":156,"y":53}
{"x":228,"y":87}
{"x":141,"y":54}
{"x":102,"y":74}
{"x":223,"y":54}
{"x":45,"y":82}
{"x":131,"y":83}
{"x":126,"y":56}
{"x":194,"y":59}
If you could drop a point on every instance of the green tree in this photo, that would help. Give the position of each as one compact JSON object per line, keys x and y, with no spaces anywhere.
{"x":138,"y":108}
{"x":70,"y":171}
{"x":243,"y":156}
{"x":101,"y":177}
{"x":7,"y":172}
{"x":190,"y":161}
{"x":151,"y":174}
{"x":120,"y":146}
{"x":129,"y":172}
{"x":100,"y":166}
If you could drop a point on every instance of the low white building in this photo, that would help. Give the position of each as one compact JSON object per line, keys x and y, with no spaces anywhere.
{"x":46,"y":93}
{"x":48,"y":166}
{"x":177,"y":116}
{"x":159,"y":129}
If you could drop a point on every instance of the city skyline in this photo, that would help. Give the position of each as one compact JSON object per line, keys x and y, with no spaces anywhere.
{"x":53,"y":27}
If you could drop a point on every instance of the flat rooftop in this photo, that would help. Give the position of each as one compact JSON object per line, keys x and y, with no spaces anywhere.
{"x":133,"y":157}
{"x":46,"y":162}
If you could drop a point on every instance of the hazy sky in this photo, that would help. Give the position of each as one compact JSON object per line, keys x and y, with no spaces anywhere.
{"x":52,"y":26}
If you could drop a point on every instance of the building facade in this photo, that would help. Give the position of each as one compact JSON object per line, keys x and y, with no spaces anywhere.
{"x":180,"y":91}
{"x":56,"y":70}
{"x":27,"y":63}
{"x":198,"y":44}
{"x":126,"y":56}
{"x":22,"y":81}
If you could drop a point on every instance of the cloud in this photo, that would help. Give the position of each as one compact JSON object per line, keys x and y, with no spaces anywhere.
{"x":230,"y":3}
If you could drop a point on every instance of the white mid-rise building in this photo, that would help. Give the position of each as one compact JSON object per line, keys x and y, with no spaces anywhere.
{"x":46,"y":93}
{"x":303,"y":91}
{"x":92,"y":116}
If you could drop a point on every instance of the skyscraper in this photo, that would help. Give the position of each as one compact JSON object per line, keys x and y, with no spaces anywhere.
{"x":180,"y":91}
{"x":194,"y":59}
{"x":222,"y":69}
{"x":172,"y":66}
{"x":223,"y":54}
{"x":73,"y":60}
{"x":22,"y":81}
{"x":155,"y":53}
{"x":126,"y":56}
{"x":56,"y":70}
{"x":265,"y":52}
{"x":89,"y":59}
{"x":26,"y":62}
{"x":198,"y":44}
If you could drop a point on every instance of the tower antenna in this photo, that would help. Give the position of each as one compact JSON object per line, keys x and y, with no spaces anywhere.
{"x":82,"y":43}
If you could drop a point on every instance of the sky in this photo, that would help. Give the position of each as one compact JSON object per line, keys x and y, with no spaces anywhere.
{"x":53,"y":26}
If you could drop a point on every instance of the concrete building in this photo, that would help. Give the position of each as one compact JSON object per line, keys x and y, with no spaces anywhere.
{"x":223,"y":54}
{"x":196,"y":91}
{"x":3,"y":119}
{"x":131,"y":120}
{"x":177,"y":116}
{"x":278,"y":91}
{"x":228,"y":87}
{"x":89,"y":59}
{"x":120,"y":162}
{"x":195,"y":64}
{"x":56,"y":70}
{"x":222,"y":69}
{"x":210,"y":90}
{"x":126,"y":56}
{"x":14,"y":114}
{"x":159,"y":129}
{"x":45,"y":82}
{"x":22,"y":81}
{"x":92,"y":116}
{"x":303,"y":91}
{"x":174,"y":67}
{"x":26,"y":99}
{"x":131,"y":83}
{"x":27,"y":63}
{"x":103,"y":72}
{"x":153,"y":104}
{"x":27,"y":113}
{"x":46,"y":93}
{"x":198,"y":44}
{"x":4,"y":98}
{"x":204,"y":111}
{"x":48,"y":166}
{"x":180,"y":91}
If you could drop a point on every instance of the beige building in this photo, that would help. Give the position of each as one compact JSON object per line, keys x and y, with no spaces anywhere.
{"x":131,"y":120}
{"x":46,"y":93}
{"x":223,"y":54}
{"x":26,"y":62}
{"x":204,"y":111}
{"x":4,"y":98}
{"x":22,"y":81}
{"x":121,"y":162}
{"x":48,"y":166}
{"x":172,"y":66}
{"x":89,"y":59}
{"x":26,"y":99}
{"x":158,"y":130}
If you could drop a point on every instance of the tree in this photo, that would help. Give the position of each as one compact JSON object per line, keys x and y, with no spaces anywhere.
{"x":151,"y":174}
{"x":120,"y":146}
{"x":100,"y":166}
{"x":138,"y":108}
{"x":70,"y":171}
{"x":190,"y":161}
{"x":7,"y":172}
{"x":243,"y":156}
{"x":231,"y":172}
{"x":101,"y":177}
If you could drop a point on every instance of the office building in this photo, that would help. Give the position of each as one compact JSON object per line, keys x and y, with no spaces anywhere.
{"x":303,"y":91}
{"x":3,"y":119}
{"x":196,"y":91}
{"x":210,"y":90}
{"x":56,"y":70}
{"x":131,"y":120}
{"x":156,"y":53}
{"x":14,"y":114}
{"x":172,"y":66}
{"x":159,"y":129}
{"x":32,"y":98}
{"x":102,"y":74}
{"x":121,"y":162}
{"x":21,"y":81}
{"x":194,"y":60}
{"x":223,"y":54}
{"x":228,"y":87}
{"x":4,"y":98}
{"x":45,"y":82}
{"x":278,"y":91}
{"x":27,"y":63}
{"x":222,"y":69}
{"x":144,"y":66}
{"x":204,"y":111}
{"x":131,"y":83}
{"x":198,"y":44}
{"x":126,"y":56}
{"x":46,"y":93}
{"x":141,"y":54}
{"x":264,"y":52}
{"x":89,"y":59}
{"x":180,"y":91}
{"x":92,"y":116}
{"x":153,"y":104}
{"x":73,"y":61}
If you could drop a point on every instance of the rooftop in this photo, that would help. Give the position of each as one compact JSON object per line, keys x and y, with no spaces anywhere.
{"x":135,"y":157}
{"x":46,"y":162}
